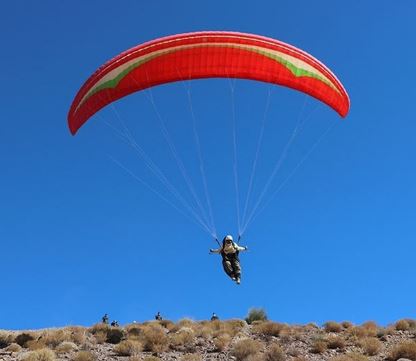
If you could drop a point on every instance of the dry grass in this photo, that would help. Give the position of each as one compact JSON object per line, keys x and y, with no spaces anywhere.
{"x":151,"y":358}
{"x":275,"y":353}
{"x":268,"y":328}
{"x":222,"y":341}
{"x":154,"y":338}
{"x":184,"y":337}
{"x":84,"y":356}
{"x":6,"y":338}
{"x":66,"y":347}
{"x":371,"y":346}
{"x":336,"y":342}
{"x":245,"y":348}
{"x":405,"y":349}
{"x":40,"y":355}
{"x":13,"y":347}
{"x":23,"y":338}
{"x":347,"y":325}
{"x":100,"y":337}
{"x":256,"y":314}
{"x":402,"y":325}
{"x":128,"y":348}
{"x":332,"y":326}
{"x":349,"y":357}
{"x":319,"y":346}
{"x":34,"y":345}
{"x":191,"y":357}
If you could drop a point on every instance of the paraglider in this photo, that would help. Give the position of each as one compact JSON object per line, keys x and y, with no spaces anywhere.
{"x":229,"y":252}
{"x":207,"y":54}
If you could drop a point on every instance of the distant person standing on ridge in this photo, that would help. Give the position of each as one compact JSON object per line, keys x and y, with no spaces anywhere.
{"x":214,"y":317}
{"x":229,"y":252}
{"x":114,"y":324}
{"x":158,"y":317}
{"x":104,"y":319}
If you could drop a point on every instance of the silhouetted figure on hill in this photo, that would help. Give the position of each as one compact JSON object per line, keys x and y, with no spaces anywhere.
{"x":105,"y":319}
{"x":114,"y":324}
{"x":229,"y":252}
{"x":158,"y":317}
{"x":214,"y":317}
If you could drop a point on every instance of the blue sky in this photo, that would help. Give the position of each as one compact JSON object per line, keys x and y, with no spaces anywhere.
{"x":80,"y":237}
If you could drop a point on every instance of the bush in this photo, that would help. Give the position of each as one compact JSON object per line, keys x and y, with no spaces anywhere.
{"x":84,"y":356}
{"x":115,"y":335}
{"x":347,"y":324}
{"x":154,"y":338}
{"x":402,"y":325}
{"x":6,"y":339}
{"x":406,"y":349}
{"x":128,"y":348}
{"x":336,"y":342}
{"x":13,"y":347}
{"x":184,"y":337}
{"x":23,"y":338}
{"x":66,"y":347}
{"x":350,"y":357}
{"x":332,"y":326}
{"x":256,"y":314}
{"x":151,"y":358}
{"x":370,"y":328}
{"x":268,"y":328}
{"x":40,"y":355}
{"x":222,"y":341}
{"x":319,"y":346}
{"x":371,"y":346}
{"x":191,"y":357}
{"x":245,"y":348}
{"x":275,"y":353}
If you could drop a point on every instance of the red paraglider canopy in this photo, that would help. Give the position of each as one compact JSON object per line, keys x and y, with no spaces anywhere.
{"x":206,"y":55}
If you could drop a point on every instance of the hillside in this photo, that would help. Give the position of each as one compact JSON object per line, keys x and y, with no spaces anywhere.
{"x":189,"y":340}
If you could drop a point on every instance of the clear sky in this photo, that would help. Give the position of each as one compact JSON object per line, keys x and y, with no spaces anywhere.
{"x":80,"y":237}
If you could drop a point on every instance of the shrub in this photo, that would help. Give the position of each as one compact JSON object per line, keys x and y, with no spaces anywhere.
{"x":371,"y":346}
{"x":336,"y":342}
{"x":268,"y":328}
{"x":23,"y":338}
{"x":6,"y":339}
{"x":402,"y":325}
{"x":40,"y":355}
{"x":65,"y":347}
{"x":184,"y":337}
{"x":151,"y":358}
{"x":84,"y":356}
{"x":245,"y":348}
{"x":332,"y":326}
{"x":319,"y":346}
{"x":115,"y":335}
{"x":13,"y":347}
{"x":128,"y":348}
{"x":154,"y":338}
{"x":405,"y":349}
{"x":77,"y":334}
{"x":34,"y":345}
{"x":191,"y":357}
{"x":222,"y":341}
{"x":347,"y":324}
{"x":275,"y":353}
{"x":99,"y":327}
{"x":349,"y":357}
{"x":100,"y":337}
{"x":370,"y":328}
{"x":256,"y":314}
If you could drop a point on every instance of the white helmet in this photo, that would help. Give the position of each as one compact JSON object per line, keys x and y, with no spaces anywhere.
{"x":228,"y":237}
